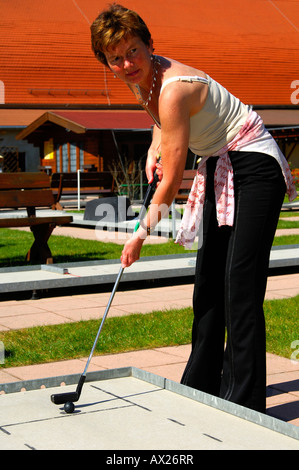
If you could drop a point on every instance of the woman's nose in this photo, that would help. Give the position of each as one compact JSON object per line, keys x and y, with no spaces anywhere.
{"x":127,"y":63}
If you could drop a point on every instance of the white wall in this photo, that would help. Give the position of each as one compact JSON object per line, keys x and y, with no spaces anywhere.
{"x":7,"y":139}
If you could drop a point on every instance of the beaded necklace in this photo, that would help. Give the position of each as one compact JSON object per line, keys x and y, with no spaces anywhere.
{"x":156,"y":63}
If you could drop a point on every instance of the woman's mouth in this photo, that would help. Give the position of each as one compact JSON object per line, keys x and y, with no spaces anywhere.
{"x":132,"y":74}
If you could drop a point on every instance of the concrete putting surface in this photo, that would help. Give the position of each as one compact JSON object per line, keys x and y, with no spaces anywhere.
{"x":127,"y":408}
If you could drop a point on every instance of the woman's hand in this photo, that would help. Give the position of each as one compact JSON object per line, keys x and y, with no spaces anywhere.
{"x":150,"y":166}
{"x":131,"y":250}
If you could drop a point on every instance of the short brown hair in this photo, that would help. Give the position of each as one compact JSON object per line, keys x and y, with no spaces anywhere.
{"x":113,"y":25}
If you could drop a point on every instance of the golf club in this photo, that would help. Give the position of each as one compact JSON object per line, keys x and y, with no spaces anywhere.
{"x":69,"y":398}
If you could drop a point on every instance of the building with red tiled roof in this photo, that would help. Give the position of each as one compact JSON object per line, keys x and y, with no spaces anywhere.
{"x":46,"y":63}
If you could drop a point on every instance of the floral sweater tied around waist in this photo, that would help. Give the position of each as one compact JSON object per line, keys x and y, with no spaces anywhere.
{"x":252,"y":137}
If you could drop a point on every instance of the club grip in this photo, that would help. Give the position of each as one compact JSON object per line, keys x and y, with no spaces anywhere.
{"x":150,"y":191}
{"x":147,"y":199}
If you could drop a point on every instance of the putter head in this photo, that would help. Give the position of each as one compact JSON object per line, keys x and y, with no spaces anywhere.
{"x":62,"y":398}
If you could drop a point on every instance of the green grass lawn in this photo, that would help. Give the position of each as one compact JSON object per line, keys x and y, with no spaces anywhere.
{"x":286,"y":214}
{"x":285,"y":223}
{"x":44,"y":344}
{"x":14,"y":245}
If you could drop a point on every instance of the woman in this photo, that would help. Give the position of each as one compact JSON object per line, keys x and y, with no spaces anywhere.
{"x":238,"y":191}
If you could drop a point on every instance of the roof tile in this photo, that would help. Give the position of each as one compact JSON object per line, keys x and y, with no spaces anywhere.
{"x":250,"y":46}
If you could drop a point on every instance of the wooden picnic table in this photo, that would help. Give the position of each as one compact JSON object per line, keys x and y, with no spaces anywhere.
{"x":30,"y":191}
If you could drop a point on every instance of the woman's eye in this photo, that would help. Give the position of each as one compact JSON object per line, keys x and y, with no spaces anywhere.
{"x":132,"y":51}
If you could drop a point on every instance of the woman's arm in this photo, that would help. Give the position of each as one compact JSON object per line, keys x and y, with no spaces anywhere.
{"x":175,"y":125}
{"x":153,"y":154}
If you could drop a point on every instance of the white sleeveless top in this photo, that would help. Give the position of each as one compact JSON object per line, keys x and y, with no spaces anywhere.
{"x":223,"y":124}
{"x":218,"y":122}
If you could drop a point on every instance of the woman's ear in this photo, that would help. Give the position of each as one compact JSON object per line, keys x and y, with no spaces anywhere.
{"x":151,"y":46}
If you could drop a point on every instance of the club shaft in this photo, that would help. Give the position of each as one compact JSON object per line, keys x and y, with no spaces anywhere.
{"x":104,"y":318}
{"x":147,"y":200}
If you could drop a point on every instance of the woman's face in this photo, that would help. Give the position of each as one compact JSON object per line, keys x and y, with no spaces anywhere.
{"x":130,"y":60}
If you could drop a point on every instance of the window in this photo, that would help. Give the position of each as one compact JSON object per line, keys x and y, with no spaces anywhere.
{"x":69,"y":157}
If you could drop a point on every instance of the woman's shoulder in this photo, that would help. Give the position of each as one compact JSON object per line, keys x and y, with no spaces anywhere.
{"x":175,"y":85}
{"x":172,"y":68}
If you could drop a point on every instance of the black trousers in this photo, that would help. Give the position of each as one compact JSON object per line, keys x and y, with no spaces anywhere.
{"x":230,"y":284}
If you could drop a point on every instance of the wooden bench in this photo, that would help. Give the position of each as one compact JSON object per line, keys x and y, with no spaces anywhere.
{"x":29,"y":191}
{"x":93,"y":182}
{"x":186,"y":184}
